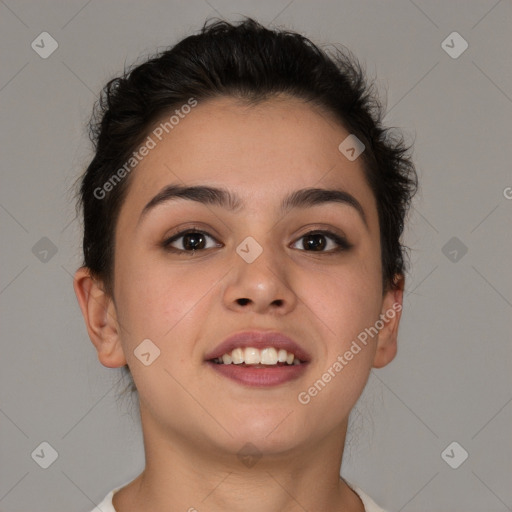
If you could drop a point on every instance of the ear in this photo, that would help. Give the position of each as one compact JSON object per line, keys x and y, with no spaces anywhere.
{"x":390,"y":314}
{"x":98,"y":310}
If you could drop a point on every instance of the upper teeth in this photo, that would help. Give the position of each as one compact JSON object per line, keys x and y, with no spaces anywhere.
{"x":251,"y":355}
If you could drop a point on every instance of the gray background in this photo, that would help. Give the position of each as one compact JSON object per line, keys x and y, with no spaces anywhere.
{"x":451,"y":379}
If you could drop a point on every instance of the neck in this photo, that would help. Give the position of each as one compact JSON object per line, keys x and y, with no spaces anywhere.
{"x":181,"y":474}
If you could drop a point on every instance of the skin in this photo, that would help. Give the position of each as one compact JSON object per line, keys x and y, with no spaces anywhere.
{"x":195,"y":421}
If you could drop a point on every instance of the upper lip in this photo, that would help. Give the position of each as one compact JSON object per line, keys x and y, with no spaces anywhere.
{"x":259,"y":340}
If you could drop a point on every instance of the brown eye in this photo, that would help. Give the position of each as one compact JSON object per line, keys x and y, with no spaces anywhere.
{"x":318,"y":241}
{"x":188,"y":241}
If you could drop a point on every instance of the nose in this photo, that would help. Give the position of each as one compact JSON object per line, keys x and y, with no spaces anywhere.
{"x":262,"y":285}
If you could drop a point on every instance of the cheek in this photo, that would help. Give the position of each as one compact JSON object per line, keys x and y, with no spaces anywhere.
{"x":166,"y":306}
{"x":157,"y":300}
{"x":346,"y":299}
{"x":344,"y":305}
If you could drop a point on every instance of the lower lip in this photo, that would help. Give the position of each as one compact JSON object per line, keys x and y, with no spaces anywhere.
{"x":259,"y":377}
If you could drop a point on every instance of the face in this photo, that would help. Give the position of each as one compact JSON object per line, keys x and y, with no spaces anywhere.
{"x":316,"y":277}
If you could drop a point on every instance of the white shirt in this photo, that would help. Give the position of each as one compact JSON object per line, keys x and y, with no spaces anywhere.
{"x":369,"y":504}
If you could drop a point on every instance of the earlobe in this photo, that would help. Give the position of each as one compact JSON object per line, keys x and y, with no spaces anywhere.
{"x":98,"y":310}
{"x":391,"y":313}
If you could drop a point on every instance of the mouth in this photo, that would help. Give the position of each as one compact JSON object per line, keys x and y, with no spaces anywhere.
{"x":259,"y":359}
{"x":255,"y":358}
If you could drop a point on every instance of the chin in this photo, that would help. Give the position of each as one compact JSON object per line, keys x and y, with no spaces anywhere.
{"x":269,"y":430}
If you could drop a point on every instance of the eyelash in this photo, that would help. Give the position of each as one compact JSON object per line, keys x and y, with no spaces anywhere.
{"x":343,"y":244}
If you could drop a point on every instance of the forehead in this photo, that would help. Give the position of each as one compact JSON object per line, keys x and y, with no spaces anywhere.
{"x":262,"y":152}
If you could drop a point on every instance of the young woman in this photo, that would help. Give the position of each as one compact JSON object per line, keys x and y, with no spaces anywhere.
{"x":242,"y":261}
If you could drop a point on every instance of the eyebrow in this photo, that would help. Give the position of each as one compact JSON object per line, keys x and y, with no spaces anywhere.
{"x":303,"y":198}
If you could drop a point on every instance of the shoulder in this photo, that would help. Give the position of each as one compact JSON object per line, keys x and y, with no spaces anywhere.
{"x":369,"y":504}
{"x":106,"y":505}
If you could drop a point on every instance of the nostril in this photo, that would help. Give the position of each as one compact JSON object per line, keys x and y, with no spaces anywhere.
{"x":243,"y":302}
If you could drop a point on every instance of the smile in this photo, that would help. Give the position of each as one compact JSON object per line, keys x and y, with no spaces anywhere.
{"x":254,"y":367}
{"x":261,"y":358}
